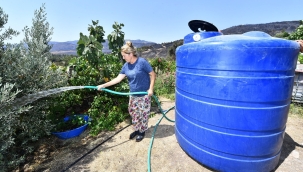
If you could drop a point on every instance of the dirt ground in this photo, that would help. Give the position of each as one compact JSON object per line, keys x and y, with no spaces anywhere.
{"x":113,"y":151}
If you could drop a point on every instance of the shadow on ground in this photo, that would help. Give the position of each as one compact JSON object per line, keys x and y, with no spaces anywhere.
{"x":77,"y":157}
{"x":166,"y":130}
{"x":288,"y":146}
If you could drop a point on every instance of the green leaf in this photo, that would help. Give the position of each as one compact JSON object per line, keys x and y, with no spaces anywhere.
{"x":86,"y":50}
{"x":98,"y":45}
{"x":80,"y":49}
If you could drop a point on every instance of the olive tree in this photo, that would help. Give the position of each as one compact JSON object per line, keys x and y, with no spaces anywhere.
{"x":28,"y":69}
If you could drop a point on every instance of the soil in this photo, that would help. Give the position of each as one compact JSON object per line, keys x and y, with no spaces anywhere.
{"x":113,"y":151}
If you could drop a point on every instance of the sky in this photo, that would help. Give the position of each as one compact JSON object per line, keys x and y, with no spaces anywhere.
{"x":157,"y":21}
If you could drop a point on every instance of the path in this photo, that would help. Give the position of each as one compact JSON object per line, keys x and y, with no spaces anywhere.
{"x":121,"y":154}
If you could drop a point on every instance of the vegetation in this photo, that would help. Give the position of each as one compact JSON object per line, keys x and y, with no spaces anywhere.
{"x":298,"y":34}
{"x":270,"y":28}
{"x":93,"y":67}
{"x":296,"y":109}
{"x":172,"y":49}
{"x":70,"y":123}
{"x":9,"y":120}
{"x":165,"y":81}
{"x":282,"y":34}
{"x":61,"y":59}
{"x":116,"y":40}
{"x":28,"y":69}
{"x":32,"y":68}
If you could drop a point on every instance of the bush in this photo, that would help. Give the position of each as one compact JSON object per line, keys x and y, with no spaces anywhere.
{"x":29,"y":68}
{"x":165,"y":83}
{"x":93,"y":67}
{"x":9,"y":122}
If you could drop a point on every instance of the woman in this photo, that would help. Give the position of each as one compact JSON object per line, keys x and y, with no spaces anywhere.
{"x":141,"y":78}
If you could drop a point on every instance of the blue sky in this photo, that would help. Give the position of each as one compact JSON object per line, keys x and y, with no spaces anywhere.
{"x":154,"y":20}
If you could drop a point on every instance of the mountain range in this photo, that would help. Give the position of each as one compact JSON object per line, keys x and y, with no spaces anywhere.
{"x":151,"y":49}
{"x":69,"y":47}
{"x":270,"y":28}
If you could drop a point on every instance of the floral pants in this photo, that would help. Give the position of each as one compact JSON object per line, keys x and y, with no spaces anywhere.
{"x":139,"y":110}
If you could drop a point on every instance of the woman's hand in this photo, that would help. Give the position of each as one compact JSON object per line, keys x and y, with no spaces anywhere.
{"x":150,"y":92}
{"x":100,"y":87}
{"x":301,"y":45}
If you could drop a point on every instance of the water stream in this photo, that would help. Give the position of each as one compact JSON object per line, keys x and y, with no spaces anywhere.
{"x":35,"y":96}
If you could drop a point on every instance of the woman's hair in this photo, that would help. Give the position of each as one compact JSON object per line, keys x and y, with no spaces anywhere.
{"x":129,"y":48}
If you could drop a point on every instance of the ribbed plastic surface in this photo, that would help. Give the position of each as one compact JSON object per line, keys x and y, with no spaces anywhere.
{"x":232,"y":99}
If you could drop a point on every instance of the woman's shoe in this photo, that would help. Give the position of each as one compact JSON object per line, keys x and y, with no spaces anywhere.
{"x":140,"y":136}
{"x":133,"y":134}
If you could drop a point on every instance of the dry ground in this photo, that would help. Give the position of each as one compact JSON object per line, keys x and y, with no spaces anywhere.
{"x":112,"y":151}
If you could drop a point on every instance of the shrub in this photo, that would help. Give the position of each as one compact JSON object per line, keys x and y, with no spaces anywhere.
{"x":165,"y":82}
{"x":9,"y":122}
{"x":28,"y":67}
{"x":93,"y":67}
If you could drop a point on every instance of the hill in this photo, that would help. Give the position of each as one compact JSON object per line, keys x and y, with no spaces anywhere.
{"x":69,"y":47}
{"x":161,"y":50}
{"x":151,"y":50}
{"x":269,"y":28}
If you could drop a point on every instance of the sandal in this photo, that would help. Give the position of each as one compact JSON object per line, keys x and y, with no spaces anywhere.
{"x":133,"y":134}
{"x":140,"y":136}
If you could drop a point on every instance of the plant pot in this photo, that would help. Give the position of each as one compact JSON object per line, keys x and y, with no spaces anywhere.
{"x":74,"y":132}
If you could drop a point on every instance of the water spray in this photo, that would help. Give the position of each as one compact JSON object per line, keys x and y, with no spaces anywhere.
{"x":35,"y":96}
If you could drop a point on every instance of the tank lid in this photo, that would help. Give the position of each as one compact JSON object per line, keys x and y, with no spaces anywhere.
{"x":195,"y":25}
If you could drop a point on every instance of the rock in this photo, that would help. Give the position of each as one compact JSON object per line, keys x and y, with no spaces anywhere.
{"x":295,"y":154}
{"x":28,"y":168}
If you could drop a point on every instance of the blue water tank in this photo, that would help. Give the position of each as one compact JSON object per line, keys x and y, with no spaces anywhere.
{"x":232,"y":98}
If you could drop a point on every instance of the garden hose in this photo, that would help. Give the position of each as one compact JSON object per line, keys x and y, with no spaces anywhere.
{"x":163,"y":112}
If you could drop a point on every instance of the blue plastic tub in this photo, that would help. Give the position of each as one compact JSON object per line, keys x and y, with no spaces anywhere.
{"x":232,"y":99}
{"x":72,"y":133}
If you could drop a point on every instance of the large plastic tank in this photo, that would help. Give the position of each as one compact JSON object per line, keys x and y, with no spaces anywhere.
{"x":232,"y":99}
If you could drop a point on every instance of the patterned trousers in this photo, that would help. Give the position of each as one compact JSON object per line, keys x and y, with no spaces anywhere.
{"x":139,"y":110}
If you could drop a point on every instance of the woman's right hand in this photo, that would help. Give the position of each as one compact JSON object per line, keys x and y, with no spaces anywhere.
{"x":112,"y":82}
{"x":100,"y":87}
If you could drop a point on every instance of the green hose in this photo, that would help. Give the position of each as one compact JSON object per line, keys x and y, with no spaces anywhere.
{"x":155,"y":129}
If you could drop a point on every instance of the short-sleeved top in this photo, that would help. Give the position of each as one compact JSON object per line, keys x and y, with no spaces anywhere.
{"x":137,"y":75}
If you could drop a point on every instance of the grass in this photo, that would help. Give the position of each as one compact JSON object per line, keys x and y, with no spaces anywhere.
{"x":170,"y":96}
{"x":165,"y":86}
{"x":296,"y":109}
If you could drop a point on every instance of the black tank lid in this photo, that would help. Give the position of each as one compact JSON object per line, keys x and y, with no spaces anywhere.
{"x":195,"y":25}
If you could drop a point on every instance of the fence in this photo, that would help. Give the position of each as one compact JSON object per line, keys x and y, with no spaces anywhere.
{"x":298,"y":85}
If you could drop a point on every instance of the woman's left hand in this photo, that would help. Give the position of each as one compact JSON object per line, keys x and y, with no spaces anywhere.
{"x":150,"y":92}
{"x":301,"y":45}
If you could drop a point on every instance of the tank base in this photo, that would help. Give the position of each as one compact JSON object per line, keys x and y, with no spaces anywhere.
{"x":225,"y":162}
